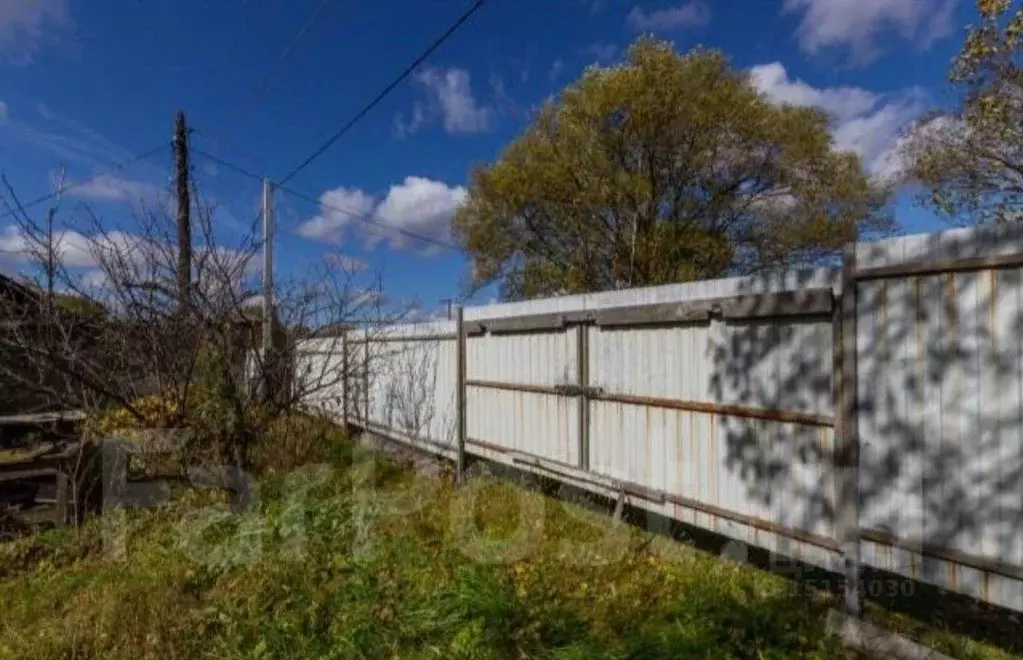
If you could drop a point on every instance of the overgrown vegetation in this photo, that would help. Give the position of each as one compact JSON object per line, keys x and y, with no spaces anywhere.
{"x":355,"y":558}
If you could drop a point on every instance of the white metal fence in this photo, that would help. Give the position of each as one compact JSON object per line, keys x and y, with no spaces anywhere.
{"x":719,"y":403}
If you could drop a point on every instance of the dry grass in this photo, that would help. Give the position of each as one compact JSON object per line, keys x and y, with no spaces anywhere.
{"x":366,"y":560}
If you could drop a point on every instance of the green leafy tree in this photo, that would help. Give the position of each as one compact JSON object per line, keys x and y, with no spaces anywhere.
{"x":970,"y":161}
{"x":663,"y":169}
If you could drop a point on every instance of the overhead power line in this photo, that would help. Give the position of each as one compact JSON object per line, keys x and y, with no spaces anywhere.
{"x":361,"y":217}
{"x":84,"y":182}
{"x":437,"y":43}
{"x":264,"y":83}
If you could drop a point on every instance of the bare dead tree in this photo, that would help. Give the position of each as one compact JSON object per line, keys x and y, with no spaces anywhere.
{"x":110,"y":330}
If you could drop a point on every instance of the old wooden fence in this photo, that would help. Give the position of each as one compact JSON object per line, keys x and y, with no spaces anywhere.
{"x":869,"y":413}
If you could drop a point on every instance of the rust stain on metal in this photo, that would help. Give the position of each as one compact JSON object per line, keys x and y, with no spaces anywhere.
{"x":694,"y":467}
{"x":660,"y":402}
{"x":648,"y":449}
{"x":953,"y":575}
{"x":755,"y":522}
{"x":945,"y":554}
{"x":714,"y":491}
{"x":720,"y":409}
{"x":985,"y":584}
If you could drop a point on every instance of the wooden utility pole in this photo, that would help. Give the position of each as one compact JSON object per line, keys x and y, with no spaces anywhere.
{"x":184,"y":211}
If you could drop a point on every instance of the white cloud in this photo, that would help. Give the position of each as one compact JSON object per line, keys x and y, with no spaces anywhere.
{"x":109,"y":188}
{"x":25,"y":24}
{"x":450,"y":91}
{"x":841,"y":102}
{"x":866,"y":123}
{"x":418,"y":205}
{"x":338,"y":207}
{"x":73,"y":249}
{"x":692,"y":14}
{"x":858,"y":24}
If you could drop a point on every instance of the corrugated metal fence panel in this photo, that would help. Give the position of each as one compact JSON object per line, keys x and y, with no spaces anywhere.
{"x":412,"y":389}
{"x":777,"y":472}
{"x":531,"y":358}
{"x":941,"y":421}
{"x":545,"y":425}
{"x":318,"y":379}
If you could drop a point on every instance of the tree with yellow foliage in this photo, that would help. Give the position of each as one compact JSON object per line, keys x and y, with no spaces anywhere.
{"x":666,"y":168}
{"x":970,"y":161}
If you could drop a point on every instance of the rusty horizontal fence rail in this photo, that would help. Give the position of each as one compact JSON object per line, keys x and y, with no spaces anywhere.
{"x":657,"y":496}
{"x":567,"y":389}
{"x":445,"y":336}
{"x":937,"y":552}
{"x":726,"y":410}
{"x":597,"y":394}
{"x":383,"y":429}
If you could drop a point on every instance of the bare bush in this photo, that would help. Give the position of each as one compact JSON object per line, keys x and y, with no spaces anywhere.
{"x":103,"y":326}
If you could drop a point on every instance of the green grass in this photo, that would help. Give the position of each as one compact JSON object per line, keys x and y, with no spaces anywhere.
{"x":369,"y":561}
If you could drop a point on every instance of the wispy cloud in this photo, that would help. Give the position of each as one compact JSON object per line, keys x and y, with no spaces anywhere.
{"x":691,"y":14}
{"x":452,"y":91}
{"x":449,"y":97}
{"x":403,"y":127}
{"x":109,"y":188}
{"x":859,"y":25}
{"x":83,"y":153}
{"x":25,"y":25}
{"x":557,"y":68}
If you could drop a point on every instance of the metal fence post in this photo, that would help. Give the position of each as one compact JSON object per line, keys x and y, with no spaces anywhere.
{"x":365,"y":385}
{"x":345,"y":380}
{"x":583,"y":347}
{"x":460,"y":370}
{"x":847,"y":440}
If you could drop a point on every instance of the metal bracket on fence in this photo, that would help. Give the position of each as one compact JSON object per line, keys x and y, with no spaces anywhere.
{"x":571,"y":389}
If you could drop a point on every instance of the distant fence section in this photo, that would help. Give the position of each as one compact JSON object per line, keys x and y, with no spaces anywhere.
{"x":872,"y":413}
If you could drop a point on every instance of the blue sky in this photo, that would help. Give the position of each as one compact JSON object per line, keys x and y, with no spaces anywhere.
{"x":87,"y":85}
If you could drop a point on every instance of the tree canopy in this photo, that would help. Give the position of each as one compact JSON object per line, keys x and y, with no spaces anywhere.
{"x":970,"y":161}
{"x":665,"y":168}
